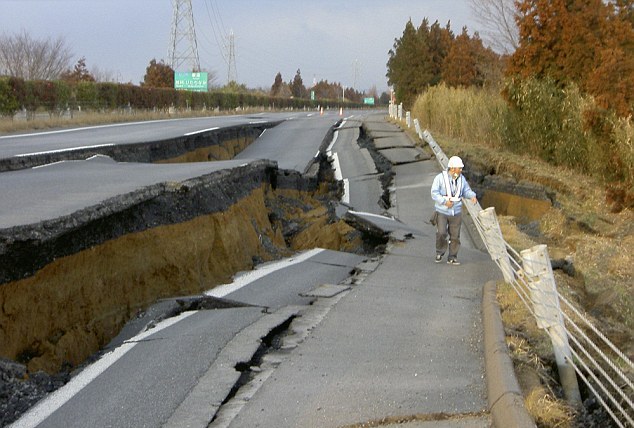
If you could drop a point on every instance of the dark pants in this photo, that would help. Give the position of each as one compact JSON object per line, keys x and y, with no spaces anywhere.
{"x":448,"y":225}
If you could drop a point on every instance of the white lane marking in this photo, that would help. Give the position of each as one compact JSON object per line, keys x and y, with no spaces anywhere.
{"x":57,"y":399}
{"x":372,"y":215}
{"x":335,"y":135}
{"x":409,"y":186}
{"x":201,"y":131}
{"x":63,"y":150}
{"x":48,"y":164}
{"x":6,"y":137}
{"x":337,"y":167}
{"x":260,"y":272}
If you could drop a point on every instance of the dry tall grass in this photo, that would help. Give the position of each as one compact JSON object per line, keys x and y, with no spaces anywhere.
{"x":466,"y":114}
{"x":553,"y":131}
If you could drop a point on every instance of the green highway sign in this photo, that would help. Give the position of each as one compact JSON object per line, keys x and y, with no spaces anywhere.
{"x":369,"y":101}
{"x":190,"y":81}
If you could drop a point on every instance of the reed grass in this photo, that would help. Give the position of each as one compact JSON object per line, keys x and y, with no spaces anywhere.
{"x":548,"y":124}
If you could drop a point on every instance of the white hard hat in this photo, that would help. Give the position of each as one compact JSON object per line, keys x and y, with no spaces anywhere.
{"x":455,"y":162}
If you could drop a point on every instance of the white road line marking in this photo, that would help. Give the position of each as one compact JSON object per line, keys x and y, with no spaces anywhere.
{"x":337,"y":167}
{"x":372,"y":215}
{"x":201,"y":131}
{"x":6,"y":137}
{"x":260,"y":272}
{"x":57,"y":399}
{"x":63,"y":150}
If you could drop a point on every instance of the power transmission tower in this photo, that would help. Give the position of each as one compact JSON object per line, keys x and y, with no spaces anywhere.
{"x":183,"y":47}
{"x":232,"y":73}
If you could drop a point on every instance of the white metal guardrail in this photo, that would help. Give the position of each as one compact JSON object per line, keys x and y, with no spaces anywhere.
{"x":581,"y":350}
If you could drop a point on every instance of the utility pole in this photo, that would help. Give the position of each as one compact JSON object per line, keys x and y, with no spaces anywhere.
{"x":183,"y":47}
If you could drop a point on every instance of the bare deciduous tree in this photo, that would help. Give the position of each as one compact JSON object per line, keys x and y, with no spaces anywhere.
{"x":101,"y":75}
{"x":498,"y":19}
{"x":30,"y":59}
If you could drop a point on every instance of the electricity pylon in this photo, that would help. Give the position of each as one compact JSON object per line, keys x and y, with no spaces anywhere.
{"x":232,"y":72}
{"x":183,"y":48}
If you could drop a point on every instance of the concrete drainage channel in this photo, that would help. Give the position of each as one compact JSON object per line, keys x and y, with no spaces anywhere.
{"x":80,"y":249}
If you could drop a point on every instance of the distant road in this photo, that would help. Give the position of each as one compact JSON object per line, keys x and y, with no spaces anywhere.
{"x":292,"y":143}
{"x":123,"y":133}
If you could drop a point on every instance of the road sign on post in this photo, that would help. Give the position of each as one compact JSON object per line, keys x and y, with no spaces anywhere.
{"x":190,"y":81}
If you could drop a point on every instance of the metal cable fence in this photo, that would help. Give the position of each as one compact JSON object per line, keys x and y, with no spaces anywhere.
{"x":581,"y":350}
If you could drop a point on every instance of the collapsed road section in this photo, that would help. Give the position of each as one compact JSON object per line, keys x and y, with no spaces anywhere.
{"x":86,"y":244}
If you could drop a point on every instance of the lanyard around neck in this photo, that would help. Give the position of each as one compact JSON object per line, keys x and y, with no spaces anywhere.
{"x":452,"y":191}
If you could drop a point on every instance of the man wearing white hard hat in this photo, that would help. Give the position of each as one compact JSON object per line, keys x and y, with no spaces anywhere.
{"x":447,"y":191}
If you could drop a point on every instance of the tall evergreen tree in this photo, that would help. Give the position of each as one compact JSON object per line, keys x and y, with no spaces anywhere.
{"x":276,"y":88}
{"x":460,"y":68}
{"x":440,"y":41}
{"x":409,"y":68}
{"x":297,"y":86}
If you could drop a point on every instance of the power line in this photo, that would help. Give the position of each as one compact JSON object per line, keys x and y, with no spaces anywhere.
{"x":226,"y":44}
{"x":216,"y":29}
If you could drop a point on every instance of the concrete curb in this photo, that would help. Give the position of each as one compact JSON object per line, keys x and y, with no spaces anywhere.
{"x":506,"y":402}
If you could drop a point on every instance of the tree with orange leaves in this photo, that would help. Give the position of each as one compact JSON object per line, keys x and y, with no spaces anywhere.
{"x":459,"y":69}
{"x":469,"y":63}
{"x":586,"y":42}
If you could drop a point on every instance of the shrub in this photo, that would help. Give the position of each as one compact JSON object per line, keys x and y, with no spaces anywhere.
{"x":548,"y":121}
{"x":86,"y":95}
{"x":9,"y":103}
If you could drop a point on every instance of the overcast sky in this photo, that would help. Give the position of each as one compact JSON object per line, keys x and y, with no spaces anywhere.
{"x":345,"y":41}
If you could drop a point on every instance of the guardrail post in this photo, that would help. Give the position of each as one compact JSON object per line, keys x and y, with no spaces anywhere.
{"x":408,"y":119}
{"x":495,"y":242}
{"x":442,"y":159}
{"x":400,"y":111}
{"x":418,"y":130}
{"x":548,"y":314}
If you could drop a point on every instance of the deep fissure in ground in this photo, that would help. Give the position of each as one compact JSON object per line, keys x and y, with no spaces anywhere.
{"x":383,"y":166}
{"x":271,"y":342}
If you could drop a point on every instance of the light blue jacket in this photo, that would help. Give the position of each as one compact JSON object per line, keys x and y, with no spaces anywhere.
{"x":439,"y":195}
